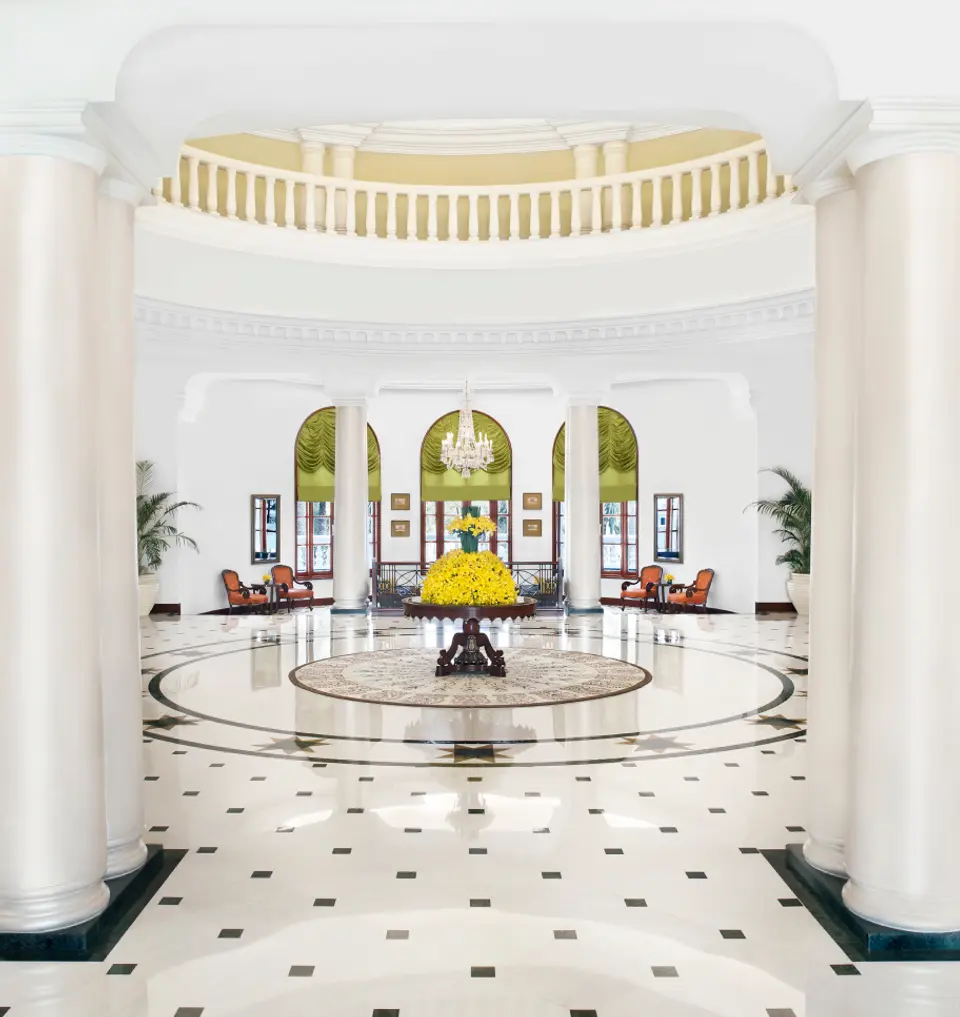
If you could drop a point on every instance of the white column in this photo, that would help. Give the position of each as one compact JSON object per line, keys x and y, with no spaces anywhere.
{"x":585,"y":165}
{"x":904,"y":828}
{"x":351,"y":494}
{"x":614,"y":161}
{"x":53,"y":852}
{"x":119,"y":621}
{"x":312,"y":155}
{"x":343,"y":157}
{"x":835,"y":361}
{"x":582,"y":507}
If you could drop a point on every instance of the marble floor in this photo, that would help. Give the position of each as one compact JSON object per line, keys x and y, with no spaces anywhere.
{"x":590,"y":859}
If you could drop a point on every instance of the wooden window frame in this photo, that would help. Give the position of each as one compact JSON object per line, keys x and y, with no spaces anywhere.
{"x":487,"y":507}
{"x":310,"y":573}
{"x":377,"y":542}
{"x":624,"y":571}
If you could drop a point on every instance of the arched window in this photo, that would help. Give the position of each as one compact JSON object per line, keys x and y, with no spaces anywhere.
{"x":619,"y":524}
{"x":443,"y":492}
{"x":315,"y":468}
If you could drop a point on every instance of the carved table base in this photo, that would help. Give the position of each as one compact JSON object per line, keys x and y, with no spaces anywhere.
{"x":470,"y":642}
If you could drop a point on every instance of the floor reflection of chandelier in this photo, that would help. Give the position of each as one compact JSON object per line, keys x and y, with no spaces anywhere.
{"x":471,"y":451}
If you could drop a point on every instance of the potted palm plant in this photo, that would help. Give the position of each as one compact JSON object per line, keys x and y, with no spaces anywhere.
{"x":792,"y":512}
{"x":156,"y":532}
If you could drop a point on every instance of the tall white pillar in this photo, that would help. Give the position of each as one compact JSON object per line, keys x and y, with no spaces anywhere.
{"x":53,"y":848}
{"x":119,"y":621}
{"x":351,"y":494}
{"x":836,"y":368}
{"x":343,"y":158}
{"x":585,"y":165}
{"x":904,"y":829}
{"x":582,"y":507}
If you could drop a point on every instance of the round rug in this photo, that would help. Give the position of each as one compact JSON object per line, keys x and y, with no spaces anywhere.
{"x":406,"y":678}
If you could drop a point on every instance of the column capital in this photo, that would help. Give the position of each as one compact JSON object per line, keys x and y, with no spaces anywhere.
{"x":122,"y":190}
{"x":833,"y":182}
{"x":56,"y":146}
{"x":900,"y":127}
{"x":348,"y":399}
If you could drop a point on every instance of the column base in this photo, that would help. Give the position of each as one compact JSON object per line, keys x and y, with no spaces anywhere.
{"x":921,"y":917}
{"x":590,"y":607}
{"x":125,"y":857}
{"x":349,"y":607}
{"x":860,"y":938}
{"x":94,"y":938}
{"x":42,"y":913}
{"x":825,"y":855}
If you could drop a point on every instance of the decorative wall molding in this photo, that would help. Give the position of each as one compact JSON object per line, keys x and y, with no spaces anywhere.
{"x":473,"y":137}
{"x":780,"y":315}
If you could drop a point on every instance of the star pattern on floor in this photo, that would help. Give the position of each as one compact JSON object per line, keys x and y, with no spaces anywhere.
{"x":655,"y":743}
{"x":291,"y":745}
{"x":483,"y":753}
{"x":778,"y":722}
{"x":169,"y":721}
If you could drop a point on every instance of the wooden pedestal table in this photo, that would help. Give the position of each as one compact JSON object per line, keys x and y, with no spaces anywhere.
{"x":466,"y":653}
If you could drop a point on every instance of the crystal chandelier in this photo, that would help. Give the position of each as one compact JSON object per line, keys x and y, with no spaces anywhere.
{"x":470,"y":451}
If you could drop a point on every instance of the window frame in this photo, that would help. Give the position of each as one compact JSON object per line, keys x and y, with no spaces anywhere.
{"x":309,"y":573}
{"x":376,"y":542}
{"x":624,"y":572}
{"x":259,"y":528}
{"x":489,"y":508}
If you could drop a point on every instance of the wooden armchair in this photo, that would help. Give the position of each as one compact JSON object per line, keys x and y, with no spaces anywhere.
{"x":694,"y":595}
{"x":239,"y":595}
{"x":646,"y":588}
{"x":286,"y":587}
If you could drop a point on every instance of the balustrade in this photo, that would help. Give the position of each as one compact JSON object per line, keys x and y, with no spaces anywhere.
{"x":662,"y":196}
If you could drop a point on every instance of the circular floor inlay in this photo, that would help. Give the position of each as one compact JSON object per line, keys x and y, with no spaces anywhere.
{"x":406,"y":678}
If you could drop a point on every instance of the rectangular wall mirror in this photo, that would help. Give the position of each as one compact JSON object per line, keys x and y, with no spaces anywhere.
{"x":264,"y":529}
{"x":668,"y":528}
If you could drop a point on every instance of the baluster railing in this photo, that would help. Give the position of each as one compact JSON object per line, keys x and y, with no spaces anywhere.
{"x":193,"y":192}
{"x":289,"y":205}
{"x":734,"y":184}
{"x":696,"y":192}
{"x":333,"y":205}
{"x":231,"y":192}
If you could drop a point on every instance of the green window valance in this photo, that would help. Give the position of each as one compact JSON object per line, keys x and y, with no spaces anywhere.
{"x":618,"y":458}
{"x":437,"y":483}
{"x":316,"y":456}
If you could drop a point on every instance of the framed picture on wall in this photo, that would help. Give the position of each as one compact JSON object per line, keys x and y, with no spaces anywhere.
{"x":533,"y":527}
{"x":533,"y":502}
{"x":400,"y":502}
{"x":400,"y":527}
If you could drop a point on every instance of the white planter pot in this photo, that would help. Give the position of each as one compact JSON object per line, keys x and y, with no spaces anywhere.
{"x":798,"y":589}
{"x":149,"y":588}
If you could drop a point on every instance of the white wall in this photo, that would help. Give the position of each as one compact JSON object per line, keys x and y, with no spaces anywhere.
{"x":697,"y":436}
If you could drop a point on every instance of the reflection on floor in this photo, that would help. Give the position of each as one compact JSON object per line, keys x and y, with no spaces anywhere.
{"x":596,"y":858}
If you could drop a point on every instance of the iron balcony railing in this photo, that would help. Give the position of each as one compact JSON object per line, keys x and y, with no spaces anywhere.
{"x":392,"y":581}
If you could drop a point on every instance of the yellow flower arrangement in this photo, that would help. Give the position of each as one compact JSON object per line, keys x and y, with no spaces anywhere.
{"x":668,"y":578}
{"x":462,"y":577}
{"x":471,"y":524}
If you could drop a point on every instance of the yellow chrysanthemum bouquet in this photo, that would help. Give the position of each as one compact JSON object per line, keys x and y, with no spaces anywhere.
{"x":468,"y":577}
{"x":475,"y":525}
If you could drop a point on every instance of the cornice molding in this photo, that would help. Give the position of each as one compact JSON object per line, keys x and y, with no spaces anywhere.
{"x":164,"y":325}
{"x":473,"y":137}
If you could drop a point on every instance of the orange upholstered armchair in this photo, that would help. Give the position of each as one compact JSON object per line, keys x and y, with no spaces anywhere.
{"x":693,"y":596}
{"x":645,"y":591}
{"x":239,"y":595}
{"x":286,"y":587}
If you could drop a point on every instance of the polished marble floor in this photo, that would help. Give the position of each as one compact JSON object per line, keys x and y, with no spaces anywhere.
{"x":591,"y":859}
